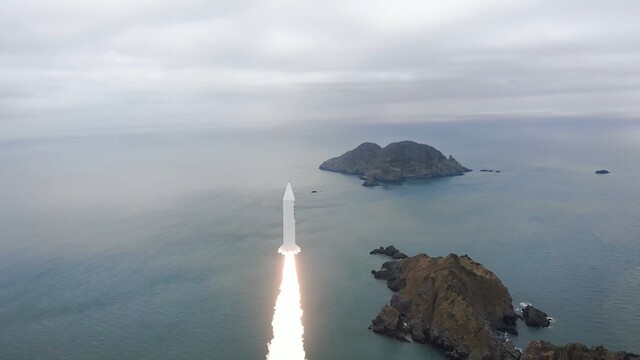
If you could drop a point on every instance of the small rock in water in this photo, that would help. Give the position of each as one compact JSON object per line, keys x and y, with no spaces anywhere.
{"x":370,"y":183}
{"x":602,"y":172}
{"x":390,"y":251}
{"x":314,"y":191}
{"x":534,"y":317}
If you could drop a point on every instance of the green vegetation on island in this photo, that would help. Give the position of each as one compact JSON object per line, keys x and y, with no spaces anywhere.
{"x":394,"y":163}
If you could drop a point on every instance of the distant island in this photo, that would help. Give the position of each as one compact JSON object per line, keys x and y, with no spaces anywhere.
{"x":459,"y":305}
{"x":395,"y":163}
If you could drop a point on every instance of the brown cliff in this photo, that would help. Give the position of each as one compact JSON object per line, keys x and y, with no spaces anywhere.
{"x":453,"y":302}
{"x":543,"y":350}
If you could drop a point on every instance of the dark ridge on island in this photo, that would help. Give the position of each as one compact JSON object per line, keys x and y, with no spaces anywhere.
{"x":457,"y":304}
{"x":538,"y":350}
{"x":395,"y":163}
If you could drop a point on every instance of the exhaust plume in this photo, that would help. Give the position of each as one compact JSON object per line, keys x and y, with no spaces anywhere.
{"x":287,"y":326}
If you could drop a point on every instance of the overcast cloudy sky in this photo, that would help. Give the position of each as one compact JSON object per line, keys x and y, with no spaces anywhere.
{"x":68,"y":64}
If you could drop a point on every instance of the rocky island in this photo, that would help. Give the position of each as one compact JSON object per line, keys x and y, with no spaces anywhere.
{"x":452,"y":302}
{"x":543,"y":350}
{"x":461,"y":306}
{"x":394,"y":163}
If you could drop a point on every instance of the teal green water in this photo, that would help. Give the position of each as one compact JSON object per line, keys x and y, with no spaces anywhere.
{"x":162,"y":244}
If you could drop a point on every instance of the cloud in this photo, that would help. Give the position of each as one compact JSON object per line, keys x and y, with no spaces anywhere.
{"x":70,"y":64}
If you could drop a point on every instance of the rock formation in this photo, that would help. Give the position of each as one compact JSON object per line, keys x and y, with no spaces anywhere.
{"x":394,"y":163}
{"x":389,"y":251}
{"x":453,"y":302}
{"x":456,"y":303}
{"x":370,"y":183}
{"x":542,"y":350}
{"x":602,"y":172}
{"x":534,"y":317}
{"x":389,"y":322}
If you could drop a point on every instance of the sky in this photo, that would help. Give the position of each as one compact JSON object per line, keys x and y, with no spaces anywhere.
{"x":78,"y":64}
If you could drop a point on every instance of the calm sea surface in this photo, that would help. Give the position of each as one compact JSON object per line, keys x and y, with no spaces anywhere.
{"x":162,"y":244}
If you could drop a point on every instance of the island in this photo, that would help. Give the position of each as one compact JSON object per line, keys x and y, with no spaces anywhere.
{"x":452,"y":302}
{"x":395,"y":163}
{"x":461,"y":306}
{"x":544,"y":350}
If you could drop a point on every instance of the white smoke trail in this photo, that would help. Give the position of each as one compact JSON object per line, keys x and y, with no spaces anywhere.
{"x":287,"y":319}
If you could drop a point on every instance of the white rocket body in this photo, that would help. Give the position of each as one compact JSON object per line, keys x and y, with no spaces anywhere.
{"x":289,"y":223}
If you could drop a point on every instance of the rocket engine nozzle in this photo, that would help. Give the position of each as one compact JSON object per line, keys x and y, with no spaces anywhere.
{"x":289,"y":249}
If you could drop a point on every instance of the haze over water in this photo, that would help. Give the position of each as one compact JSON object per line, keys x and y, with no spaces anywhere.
{"x":162,"y":243}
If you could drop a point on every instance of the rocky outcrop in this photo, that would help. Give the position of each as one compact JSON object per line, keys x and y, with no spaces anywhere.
{"x":389,"y":251}
{"x":370,"y":183}
{"x":394,"y":163}
{"x":543,"y":350}
{"x":534,"y":317}
{"x":453,"y":302}
{"x":458,"y":304}
{"x":392,"y":274}
{"x":388,"y":322}
{"x":602,"y":172}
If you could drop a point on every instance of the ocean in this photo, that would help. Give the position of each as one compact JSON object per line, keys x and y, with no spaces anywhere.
{"x":161,"y":243}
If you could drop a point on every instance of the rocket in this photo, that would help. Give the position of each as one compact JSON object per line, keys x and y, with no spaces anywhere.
{"x":289,"y":223}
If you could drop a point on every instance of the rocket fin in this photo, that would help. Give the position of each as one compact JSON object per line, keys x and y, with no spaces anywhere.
{"x":289,"y":248}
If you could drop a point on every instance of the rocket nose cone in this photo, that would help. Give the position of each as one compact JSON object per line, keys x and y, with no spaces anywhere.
{"x":288,"y":193}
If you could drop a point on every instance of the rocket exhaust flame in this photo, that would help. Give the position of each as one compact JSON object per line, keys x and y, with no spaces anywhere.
{"x":287,"y":326}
